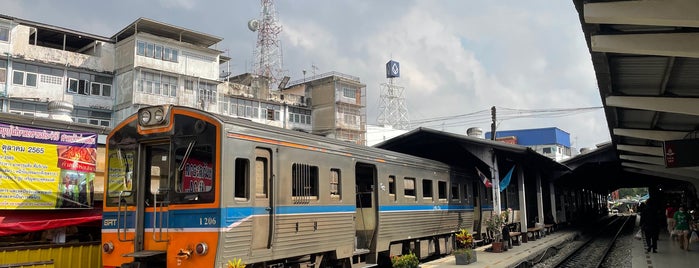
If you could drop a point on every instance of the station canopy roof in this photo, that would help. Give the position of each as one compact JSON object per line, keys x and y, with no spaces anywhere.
{"x":646,"y":61}
{"x":468,"y":152}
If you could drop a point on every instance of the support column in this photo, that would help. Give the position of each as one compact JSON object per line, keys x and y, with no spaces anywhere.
{"x":563,"y":208}
{"x":539,"y":199}
{"x":496,"y":185}
{"x":522,"y":203}
{"x":552,"y":195}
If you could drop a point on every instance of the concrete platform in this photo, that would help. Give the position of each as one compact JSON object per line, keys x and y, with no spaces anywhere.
{"x":512,"y":257}
{"x":669,"y":254}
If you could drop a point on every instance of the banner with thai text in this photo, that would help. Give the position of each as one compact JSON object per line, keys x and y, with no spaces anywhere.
{"x":46,"y":169}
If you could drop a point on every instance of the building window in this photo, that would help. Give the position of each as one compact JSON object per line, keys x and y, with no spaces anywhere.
{"x":4,"y":34}
{"x":427,"y":189}
{"x":335,"y":184}
{"x":159,"y":84}
{"x":3,"y":71}
{"x":87,"y":84}
{"x":349,"y":92}
{"x":299,"y":115}
{"x":304,"y":183}
{"x":24,"y":74}
{"x":207,"y":92}
{"x":409,"y":187}
{"x":141,"y":48}
{"x":156,"y":51}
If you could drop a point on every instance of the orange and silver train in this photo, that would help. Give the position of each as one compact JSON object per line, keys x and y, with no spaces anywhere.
{"x":186,"y":188}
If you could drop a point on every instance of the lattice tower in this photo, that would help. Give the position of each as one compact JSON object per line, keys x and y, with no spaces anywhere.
{"x":392,"y":109}
{"x":268,"y":51}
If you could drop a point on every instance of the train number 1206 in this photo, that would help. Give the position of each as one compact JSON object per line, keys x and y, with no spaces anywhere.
{"x":207,"y":221}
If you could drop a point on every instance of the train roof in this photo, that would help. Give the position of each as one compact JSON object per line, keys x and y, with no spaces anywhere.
{"x":325,"y":143}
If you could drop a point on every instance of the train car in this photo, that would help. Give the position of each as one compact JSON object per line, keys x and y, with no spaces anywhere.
{"x":186,"y":188}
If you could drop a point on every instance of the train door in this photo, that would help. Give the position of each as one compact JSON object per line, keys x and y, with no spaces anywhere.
{"x":263,"y":224}
{"x":150,"y":203}
{"x":477,"y":215}
{"x":366,"y":207}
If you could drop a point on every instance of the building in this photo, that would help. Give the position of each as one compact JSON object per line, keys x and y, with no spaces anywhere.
{"x":338,"y":105}
{"x":149,"y":63}
{"x":551,"y":142}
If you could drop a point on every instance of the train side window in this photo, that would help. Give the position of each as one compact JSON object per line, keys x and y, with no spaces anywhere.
{"x":304,"y":183}
{"x":335,"y":184}
{"x":467,"y":194}
{"x":427,"y":189}
{"x":392,"y":187}
{"x":442,"y":190}
{"x":242,"y":173}
{"x":409,"y":188}
{"x":455,"y":197}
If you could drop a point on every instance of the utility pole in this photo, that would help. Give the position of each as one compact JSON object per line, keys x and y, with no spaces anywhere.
{"x":494,"y":169}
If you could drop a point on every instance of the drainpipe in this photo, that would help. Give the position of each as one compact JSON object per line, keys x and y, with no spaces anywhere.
{"x":5,"y":106}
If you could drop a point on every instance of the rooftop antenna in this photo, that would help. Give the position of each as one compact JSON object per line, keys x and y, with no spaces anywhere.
{"x":268,"y":50}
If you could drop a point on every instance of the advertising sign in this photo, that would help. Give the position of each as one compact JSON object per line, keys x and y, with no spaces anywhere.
{"x":197,"y":176}
{"x":681,"y":153}
{"x":46,"y":169}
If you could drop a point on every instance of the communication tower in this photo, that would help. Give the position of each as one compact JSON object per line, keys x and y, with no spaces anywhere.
{"x":268,"y":50}
{"x":392,"y":109}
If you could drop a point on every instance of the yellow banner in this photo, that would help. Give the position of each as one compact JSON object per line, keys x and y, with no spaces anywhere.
{"x":41,"y":169}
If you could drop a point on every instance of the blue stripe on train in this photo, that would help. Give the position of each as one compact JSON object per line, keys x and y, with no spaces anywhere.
{"x":394,"y":208}
{"x":218,"y":218}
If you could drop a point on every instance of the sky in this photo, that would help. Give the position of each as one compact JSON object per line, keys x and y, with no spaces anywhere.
{"x":457,"y":57}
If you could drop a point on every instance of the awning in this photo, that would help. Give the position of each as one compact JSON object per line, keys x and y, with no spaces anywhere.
{"x":24,"y":221}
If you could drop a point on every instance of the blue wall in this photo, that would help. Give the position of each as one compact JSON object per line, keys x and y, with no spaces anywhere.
{"x":537,"y":136}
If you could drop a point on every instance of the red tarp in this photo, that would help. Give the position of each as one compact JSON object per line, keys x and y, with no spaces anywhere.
{"x":24,"y":221}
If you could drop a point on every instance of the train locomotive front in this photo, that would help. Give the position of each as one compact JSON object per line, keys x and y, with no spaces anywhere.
{"x":161,"y":201}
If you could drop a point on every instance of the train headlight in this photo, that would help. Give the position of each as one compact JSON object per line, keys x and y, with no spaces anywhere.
{"x":108,"y":247}
{"x":145,"y":117}
{"x":159,"y":116}
{"x":154,"y":116}
{"x":201,"y":249}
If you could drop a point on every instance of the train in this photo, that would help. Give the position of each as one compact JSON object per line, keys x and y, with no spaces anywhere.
{"x":187,"y":188}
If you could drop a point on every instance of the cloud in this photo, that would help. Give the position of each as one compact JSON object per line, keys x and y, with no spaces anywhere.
{"x":178,"y":4}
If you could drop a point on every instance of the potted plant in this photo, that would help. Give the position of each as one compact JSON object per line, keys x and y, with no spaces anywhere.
{"x":495,"y":224}
{"x":464,"y":253}
{"x":405,"y":261}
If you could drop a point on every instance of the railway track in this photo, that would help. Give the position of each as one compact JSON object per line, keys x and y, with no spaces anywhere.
{"x":596,"y":246}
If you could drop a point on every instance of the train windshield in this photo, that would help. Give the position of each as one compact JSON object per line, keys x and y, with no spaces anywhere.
{"x":170,"y":168}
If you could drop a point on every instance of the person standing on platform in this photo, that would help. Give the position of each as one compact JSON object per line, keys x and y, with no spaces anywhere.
{"x":682,"y":227}
{"x":651,"y":221}
{"x":670,"y":213}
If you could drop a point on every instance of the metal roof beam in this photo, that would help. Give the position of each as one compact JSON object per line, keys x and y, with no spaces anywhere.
{"x":683,"y":13}
{"x":653,"y":160}
{"x":692,"y":172}
{"x":669,"y":44}
{"x":662,"y":104}
{"x":649,"y":150}
{"x":658,"y":135}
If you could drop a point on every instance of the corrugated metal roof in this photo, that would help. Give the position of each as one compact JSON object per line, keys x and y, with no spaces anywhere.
{"x":649,"y":87}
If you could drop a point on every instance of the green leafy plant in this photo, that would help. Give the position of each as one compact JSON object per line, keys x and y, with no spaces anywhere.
{"x":464,"y":244}
{"x":405,"y":261}
{"x":496,"y":222}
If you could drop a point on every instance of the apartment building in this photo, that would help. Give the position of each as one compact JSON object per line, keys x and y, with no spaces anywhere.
{"x":551,"y":142}
{"x":338,"y":105}
{"x":107,"y":79}
{"x":42,"y":63}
